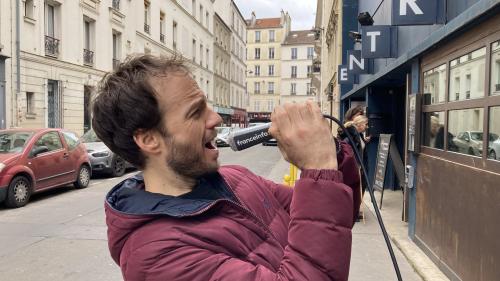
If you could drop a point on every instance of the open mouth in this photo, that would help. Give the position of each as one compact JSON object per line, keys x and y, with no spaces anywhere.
{"x":211,"y":145}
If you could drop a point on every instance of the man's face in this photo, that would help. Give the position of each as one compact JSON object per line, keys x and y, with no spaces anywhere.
{"x":190,"y":126}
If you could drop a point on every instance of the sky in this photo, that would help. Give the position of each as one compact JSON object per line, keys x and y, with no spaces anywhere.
{"x":302,"y":12}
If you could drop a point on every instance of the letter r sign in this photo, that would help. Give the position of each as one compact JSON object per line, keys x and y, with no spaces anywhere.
{"x":418,"y":12}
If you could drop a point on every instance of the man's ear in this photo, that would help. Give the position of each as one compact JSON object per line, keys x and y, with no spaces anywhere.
{"x":149,"y":141}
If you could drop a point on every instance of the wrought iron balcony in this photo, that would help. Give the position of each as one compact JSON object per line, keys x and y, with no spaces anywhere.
{"x":88,"y":57}
{"x":116,"y":63}
{"x":51,"y":46}
{"x":162,"y":37}
{"x":116,"y":4}
{"x":146,"y":28}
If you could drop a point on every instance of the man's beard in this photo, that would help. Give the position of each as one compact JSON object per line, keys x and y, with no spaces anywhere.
{"x":187,"y":161}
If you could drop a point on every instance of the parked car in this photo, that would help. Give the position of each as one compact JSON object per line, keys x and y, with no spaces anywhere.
{"x":471,"y":142}
{"x":32,"y":160}
{"x":102,"y":159}
{"x":222,"y":135}
{"x":272,"y":141}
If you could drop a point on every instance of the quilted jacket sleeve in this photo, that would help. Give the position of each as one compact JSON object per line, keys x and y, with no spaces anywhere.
{"x":319,"y":243}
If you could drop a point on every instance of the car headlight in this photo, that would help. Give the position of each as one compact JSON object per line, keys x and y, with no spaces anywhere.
{"x":2,"y":166}
{"x":101,"y":154}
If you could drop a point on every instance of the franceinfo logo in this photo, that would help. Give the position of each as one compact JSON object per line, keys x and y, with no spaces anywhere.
{"x":253,"y":138}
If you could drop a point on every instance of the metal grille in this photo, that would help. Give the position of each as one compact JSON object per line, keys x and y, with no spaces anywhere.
{"x":51,"y":46}
{"x":88,"y":57}
{"x":54,"y":101}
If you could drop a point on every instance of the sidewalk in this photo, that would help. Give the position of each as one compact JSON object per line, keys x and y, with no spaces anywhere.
{"x":370,"y":258}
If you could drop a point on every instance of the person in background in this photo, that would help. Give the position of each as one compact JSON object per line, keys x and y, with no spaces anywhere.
{"x":187,"y":218}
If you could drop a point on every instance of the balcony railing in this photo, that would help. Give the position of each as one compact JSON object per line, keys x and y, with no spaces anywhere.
{"x":271,"y":92}
{"x":294,"y":75}
{"x":162,"y":37}
{"x":51,"y":46}
{"x":115,"y":4}
{"x":88,"y":57}
{"x":146,"y":28}
{"x":467,"y":95}
{"x":116,"y":63}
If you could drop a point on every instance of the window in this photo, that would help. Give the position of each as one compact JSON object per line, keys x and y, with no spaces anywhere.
{"x":174,"y":35}
{"x":271,"y":36}
{"x":51,"y":140}
{"x":50,"y":20}
{"x":271,"y":53}
{"x":88,"y":54}
{"x":435,"y":85}
{"x":162,"y":27}
{"x":308,"y":89}
{"x":309,"y":69}
{"x":293,"y":89}
{"x":257,"y":87}
{"x":71,"y":139}
{"x":270,"y":88}
{"x":294,"y":53}
{"x":270,"y":105}
{"x":465,"y":127}
{"x":201,"y":13}
{"x":257,"y":53}
{"x":256,"y":105}
{"x":116,"y":49}
{"x":193,"y":8}
{"x":433,"y":132}
{"x":310,"y":53}
{"x":201,"y":54}
{"x":207,"y":19}
{"x":30,"y":102}
{"x":467,"y":76}
{"x":271,"y":70}
{"x":207,"y":58}
{"x":257,"y":36}
{"x":494,"y":134}
{"x":294,"y":72}
{"x":193,"y":50}
{"x":28,"y":9}
{"x":495,"y":68}
{"x":257,"y":70}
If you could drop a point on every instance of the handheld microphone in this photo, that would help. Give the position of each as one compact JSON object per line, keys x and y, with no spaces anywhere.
{"x":248,"y":137}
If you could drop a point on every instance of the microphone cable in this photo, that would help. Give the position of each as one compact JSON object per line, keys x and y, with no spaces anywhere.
{"x":372,"y":195}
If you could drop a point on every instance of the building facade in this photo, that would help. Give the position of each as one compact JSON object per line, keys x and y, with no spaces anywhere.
{"x":264,"y":39}
{"x":222,"y":43}
{"x":66,"y":47}
{"x":440,"y":101}
{"x":238,"y":96}
{"x":297,"y":55}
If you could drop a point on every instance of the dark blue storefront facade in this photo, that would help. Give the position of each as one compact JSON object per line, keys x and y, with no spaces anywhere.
{"x":385,"y":91}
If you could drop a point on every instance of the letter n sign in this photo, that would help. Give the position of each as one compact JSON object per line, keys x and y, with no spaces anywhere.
{"x":379,"y":41}
{"x":418,"y":12}
{"x":344,"y":77}
{"x":356,"y":64}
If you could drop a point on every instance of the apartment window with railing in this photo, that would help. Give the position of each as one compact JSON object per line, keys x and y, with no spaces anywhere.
{"x":174,"y":35}
{"x":51,"y":42}
{"x":256,"y":105}
{"x":271,"y":70}
{"x":193,"y":50}
{"x":293,"y":72}
{"x":147,"y":12}
{"x":271,"y":53}
{"x":257,"y":36}
{"x":201,"y":54}
{"x":257,"y":53}
{"x":294,"y":53}
{"x":270,"y":88}
{"x":207,"y":58}
{"x":257,"y":87}
{"x":271,"y":36}
{"x":29,"y":9}
{"x":257,"y":70}
{"x":310,"y":53}
{"x":162,"y":27}
{"x":293,"y":89}
{"x":88,"y":53}
{"x":309,"y":70}
{"x":116,"y":49}
{"x":270,"y":105}
{"x":115,"y":4}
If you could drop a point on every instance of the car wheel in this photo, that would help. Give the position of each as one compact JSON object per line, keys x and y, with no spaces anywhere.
{"x":118,"y":167}
{"x":83,"y":179}
{"x":19,"y":192}
{"x":492,"y":155}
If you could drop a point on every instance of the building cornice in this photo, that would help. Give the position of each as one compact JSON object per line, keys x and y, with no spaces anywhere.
{"x":26,"y":56}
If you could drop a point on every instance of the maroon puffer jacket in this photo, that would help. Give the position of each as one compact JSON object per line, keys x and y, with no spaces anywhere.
{"x":269,"y":232}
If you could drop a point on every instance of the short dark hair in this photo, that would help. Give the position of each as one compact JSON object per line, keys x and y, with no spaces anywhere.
{"x":126,"y":102}
{"x":349,"y":115}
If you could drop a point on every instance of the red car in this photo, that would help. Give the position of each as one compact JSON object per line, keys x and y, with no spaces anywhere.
{"x":32,"y":160}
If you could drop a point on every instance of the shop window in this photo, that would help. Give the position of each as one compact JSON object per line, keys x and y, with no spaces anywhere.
{"x":495,"y":68}
{"x":434,"y":130}
{"x":435,"y":85}
{"x":466,"y":127}
{"x":494,"y":137}
{"x":467,"y":76}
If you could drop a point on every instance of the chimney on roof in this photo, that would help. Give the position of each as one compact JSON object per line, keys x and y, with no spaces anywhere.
{"x":282,"y":19}
{"x":253,"y":19}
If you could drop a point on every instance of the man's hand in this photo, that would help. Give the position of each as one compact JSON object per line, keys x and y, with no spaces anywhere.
{"x":304,"y":136}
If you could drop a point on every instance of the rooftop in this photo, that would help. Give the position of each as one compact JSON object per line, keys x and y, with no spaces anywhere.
{"x":300,"y":37}
{"x":265,"y":23}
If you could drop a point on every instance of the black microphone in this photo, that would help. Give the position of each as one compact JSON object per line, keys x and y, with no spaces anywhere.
{"x":248,"y":137}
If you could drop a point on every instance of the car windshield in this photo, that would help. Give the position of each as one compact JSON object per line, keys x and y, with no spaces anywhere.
{"x":222,"y":130}
{"x":493,"y":137}
{"x":90,"y":136}
{"x":476,"y":136}
{"x":13,"y":142}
